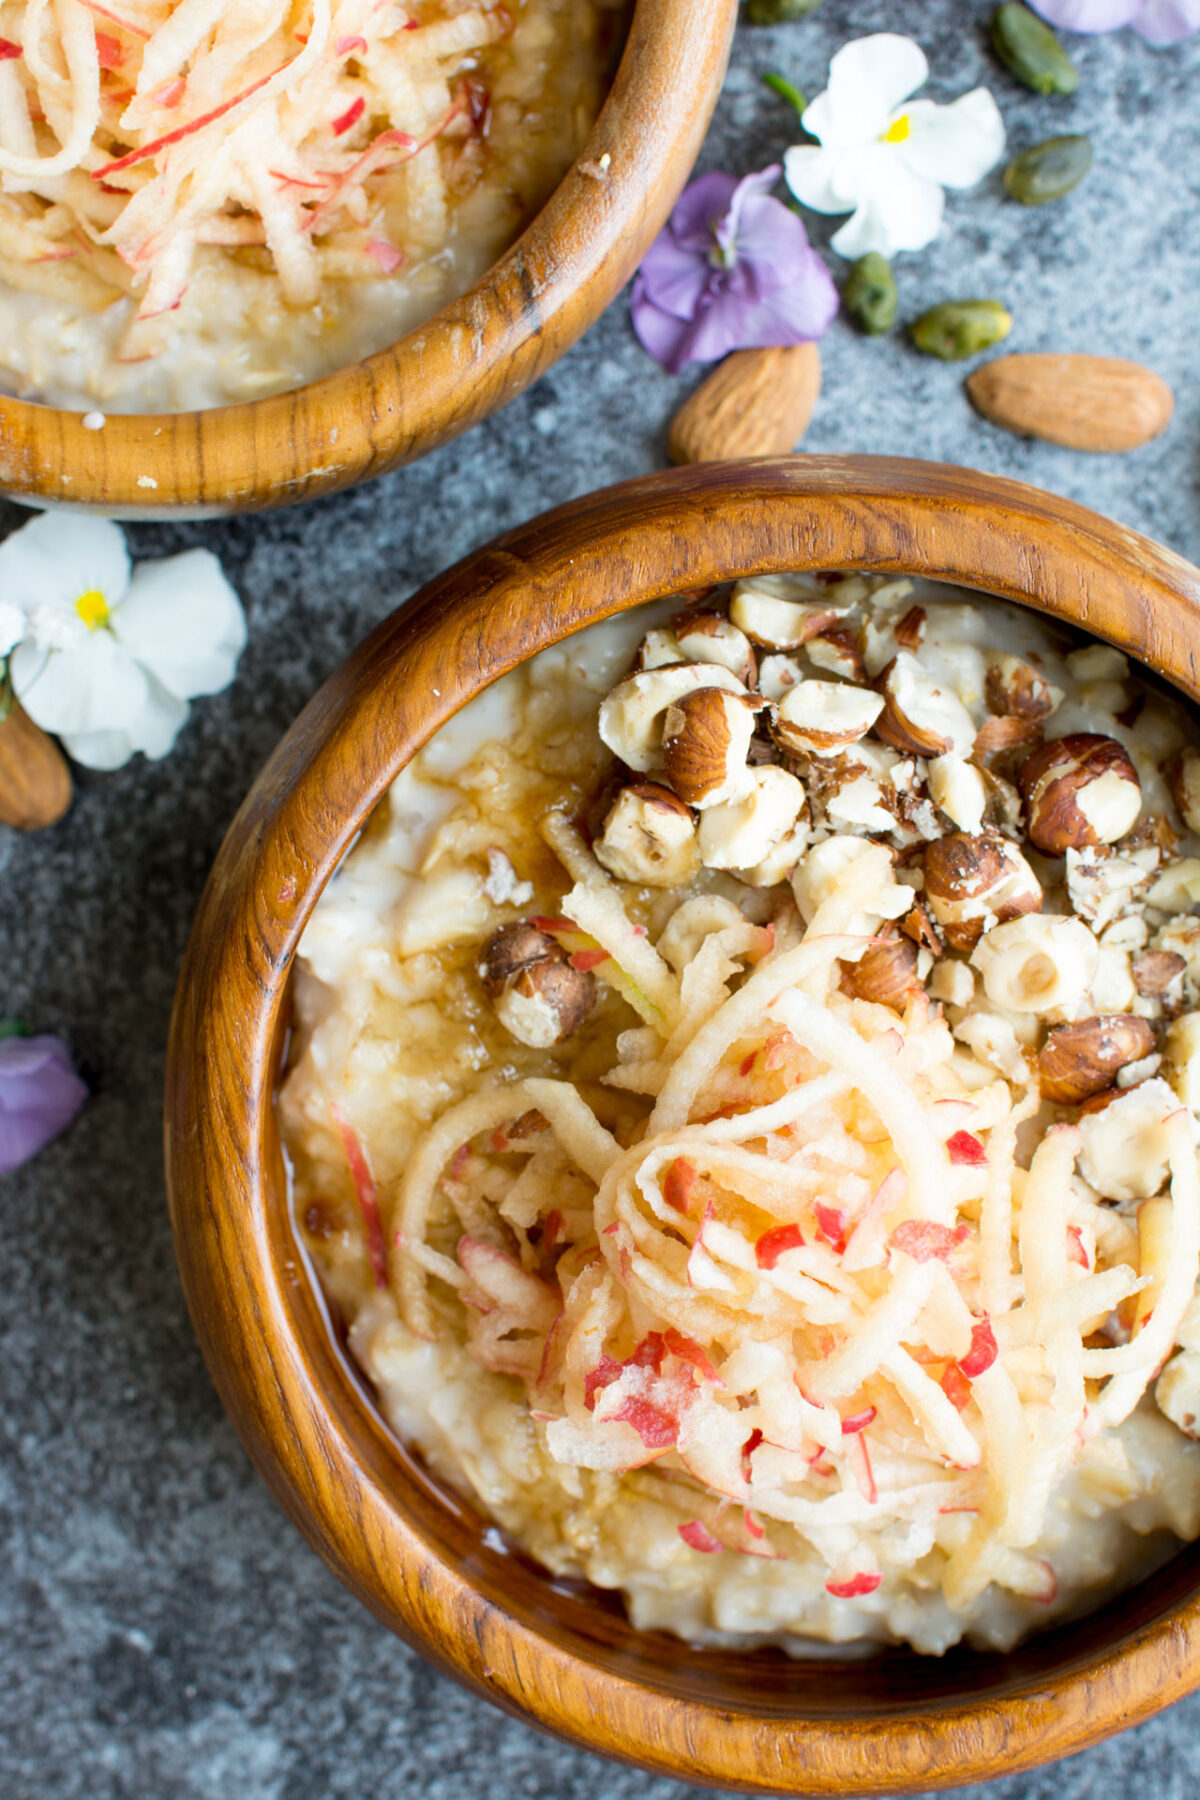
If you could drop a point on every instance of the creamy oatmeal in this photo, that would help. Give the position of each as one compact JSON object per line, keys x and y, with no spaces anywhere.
{"x":743,"y":1109}
{"x":204,"y":202}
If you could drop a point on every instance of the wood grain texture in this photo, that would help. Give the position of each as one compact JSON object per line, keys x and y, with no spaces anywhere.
{"x":414,"y":1553}
{"x":471,"y":358}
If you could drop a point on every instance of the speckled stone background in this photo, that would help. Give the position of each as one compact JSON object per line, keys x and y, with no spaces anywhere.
{"x":163,"y":1631}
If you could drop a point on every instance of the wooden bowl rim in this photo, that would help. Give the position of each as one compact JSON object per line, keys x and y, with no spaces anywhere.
{"x":656,"y":536}
{"x":421,"y":391}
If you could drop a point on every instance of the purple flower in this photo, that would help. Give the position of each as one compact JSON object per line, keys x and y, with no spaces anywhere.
{"x":1158,"y":21}
{"x":40,"y":1093}
{"x":731,"y":270}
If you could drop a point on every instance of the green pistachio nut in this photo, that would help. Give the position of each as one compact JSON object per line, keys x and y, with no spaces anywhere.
{"x":778,"y":12}
{"x":1029,"y":50}
{"x":960,"y":328}
{"x":1049,"y":170}
{"x":869,"y":295}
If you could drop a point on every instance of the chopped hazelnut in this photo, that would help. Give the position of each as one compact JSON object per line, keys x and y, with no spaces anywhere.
{"x":741,"y":834}
{"x":921,"y":717}
{"x":1078,"y":790}
{"x":885,"y":974}
{"x":632,"y":715}
{"x":1177,"y":1392}
{"x":836,"y":651}
{"x":1041,"y":963}
{"x":1083,"y":1058}
{"x":1123,"y":1151}
{"x":657,"y":650}
{"x":973,"y":879}
{"x":706,"y":637}
{"x":649,"y":837}
{"x":961,"y":790}
{"x":776,"y":675}
{"x":819,"y":718}
{"x":539,"y":998}
{"x":1155,"y":970}
{"x":952,"y":982}
{"x":1015,"y":687}
{"x":1183,"y":775}
{"x":772,"y":615}
{"x":1183,"y":1058}
{"x":1177,"y":889}
{"x":706,"y":745}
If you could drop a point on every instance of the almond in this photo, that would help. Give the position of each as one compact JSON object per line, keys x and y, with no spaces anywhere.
{"x":35,"y":782}
{"x":1085,"y":402}
{"x":755,"y":403}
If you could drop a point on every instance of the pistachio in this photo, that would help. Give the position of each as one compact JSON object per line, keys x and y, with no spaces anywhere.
{"x":1049,"y":170}
{"x":1029,"y":50}
{"x":960,"y":328}
{"x":778,"y":12}
{"x":869,"y":295}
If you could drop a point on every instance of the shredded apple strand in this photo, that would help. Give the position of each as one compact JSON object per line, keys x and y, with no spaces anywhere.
{"x":211,"y":125}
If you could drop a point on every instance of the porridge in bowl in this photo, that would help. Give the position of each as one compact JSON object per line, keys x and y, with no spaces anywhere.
{"x":204,"y":202}
{"x":743,"y":1111}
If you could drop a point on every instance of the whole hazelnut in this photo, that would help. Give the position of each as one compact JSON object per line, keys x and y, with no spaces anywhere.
{"x":920,"y":717}
{"x":539,"y":998}
{"x":1183,"y":773}
{"x":886,"y":974}
{"x":974,"y":879}
{"x":1079,"y":790}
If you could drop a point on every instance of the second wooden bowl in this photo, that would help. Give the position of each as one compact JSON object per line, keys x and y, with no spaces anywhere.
{"x":411,"y":1550}
{"x":472,"y":357}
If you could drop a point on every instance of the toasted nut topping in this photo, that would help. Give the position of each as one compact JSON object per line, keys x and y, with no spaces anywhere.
{"x":960,"y":789}
{"x":1155,"y":970}
{"x":706,"y":637}
{"x":1177,"y":1392}
{"x":1078,"y":790}
{"x":649,"y":837}
{"x":539,"y":998}
{"x":1082,"y":1059}
{"x":1015,"y":687}
{"x":1183,"y":773}
{"x":836,"y":651}
{"x":776,"y":675}
{"x":742,"y":833}
{"x":921,"y":717}
{"x":919,"y":926}
{"x":706,"y":743}
{"x":657,"y":650}
{"x":1124,"y":1143}
{"x":819,"y":718}
{"x":1183,"y":1058}
{"x":977,"y":879}
{"x":1040,"y":964}
{"x":886,"y":974}
{"x":778,"y":623}
{"x":631,"y":716}
{"x":1006,"y":733}
{"x":910,"y":632}
{"x":509,"y":950}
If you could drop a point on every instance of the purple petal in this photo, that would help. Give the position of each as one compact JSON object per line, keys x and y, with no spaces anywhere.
{"x":700,"y":206}
{"x":40,"y":1093}
{"x":1088,"y":15}
{"x":1167,"y":21}
{"x":661,"y":333}
{"x":674,"y":278}
{"x":750,"y":189}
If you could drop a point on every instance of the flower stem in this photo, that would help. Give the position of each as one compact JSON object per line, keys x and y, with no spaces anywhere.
{"x":779,"y":84}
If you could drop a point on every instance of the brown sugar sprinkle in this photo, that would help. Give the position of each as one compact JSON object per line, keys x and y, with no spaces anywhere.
{"x":317,"y":1220}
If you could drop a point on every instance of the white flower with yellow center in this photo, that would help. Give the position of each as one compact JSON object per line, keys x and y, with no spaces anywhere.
{"x":885,"y":161}
{"x":109,"y":656}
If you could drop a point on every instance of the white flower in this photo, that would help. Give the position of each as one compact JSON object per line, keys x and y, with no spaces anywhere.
{"x":885,"y":162}
{"x":12,"y":626}
{"x":108,"y":656}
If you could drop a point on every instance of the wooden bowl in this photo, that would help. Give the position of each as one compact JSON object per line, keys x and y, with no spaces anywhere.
{"x":415,"y":1553}
{"x":469,"y":359}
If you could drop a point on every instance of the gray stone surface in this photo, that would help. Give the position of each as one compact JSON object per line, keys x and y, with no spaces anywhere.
{"x":162,"y":1630}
